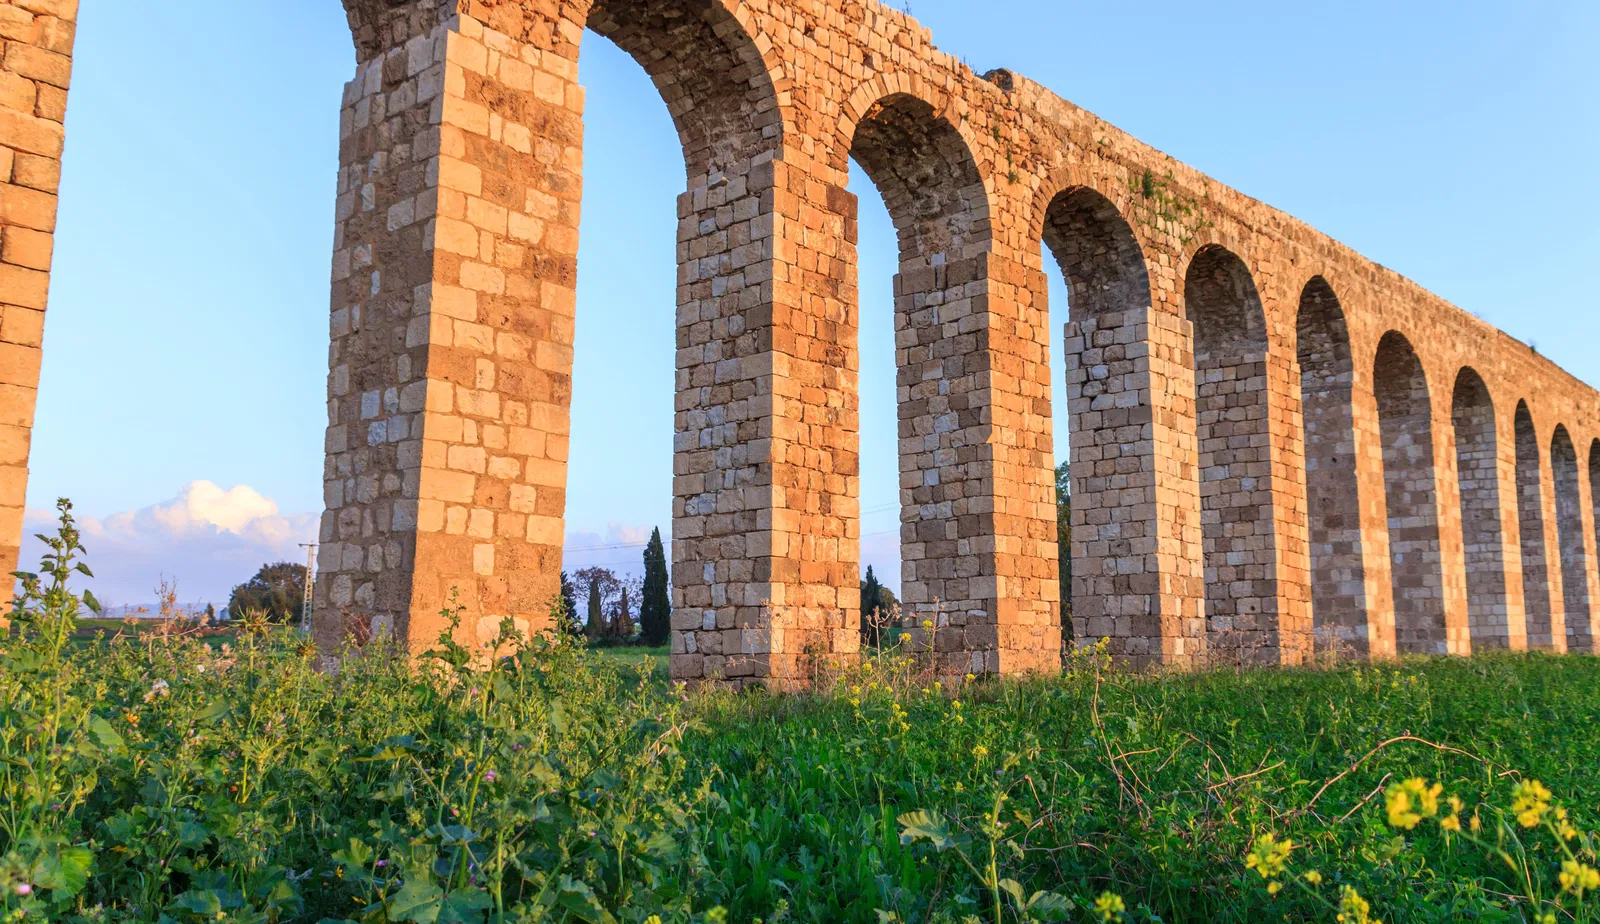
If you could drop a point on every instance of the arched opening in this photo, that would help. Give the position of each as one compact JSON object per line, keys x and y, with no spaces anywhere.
{"x":934,"y":195}
{"x":1478,"y":471}
{"x":1108,"y":290}
{"x":1333,"y":508}
{"x":1536,"y":594}
{"x":1569,"y":533}
{"x":1405,"y":424}
{"x":1231,"y":433}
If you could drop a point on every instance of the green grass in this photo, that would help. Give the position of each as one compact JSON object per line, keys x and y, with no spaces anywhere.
{"x":155,"y":777}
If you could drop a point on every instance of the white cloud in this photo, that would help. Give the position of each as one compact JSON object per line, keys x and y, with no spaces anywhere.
{"x":206,"y":538}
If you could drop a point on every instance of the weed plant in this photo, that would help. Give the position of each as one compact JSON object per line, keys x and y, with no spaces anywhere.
{"x":158,"y":778}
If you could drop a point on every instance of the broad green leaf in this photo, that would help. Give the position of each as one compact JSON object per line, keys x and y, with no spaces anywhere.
{"x":925,"y":825}
{"x":419,"y":901}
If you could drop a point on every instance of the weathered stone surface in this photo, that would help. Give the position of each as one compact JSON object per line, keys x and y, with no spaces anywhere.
{"x":1277,"y":445}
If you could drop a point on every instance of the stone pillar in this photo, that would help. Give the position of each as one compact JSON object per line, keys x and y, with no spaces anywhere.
{"x":766,"y":529}
{"x":1586,"y":511}
{"x":1452,"y":542}
{"x":1136,"y":546}
{"x":35,"y":73}
{"x":977,"y":500}
{"x":1373,"y":518}
{"x":1511,"y":530}
{"x":452,"y":324}
{"x":1289,"y":617}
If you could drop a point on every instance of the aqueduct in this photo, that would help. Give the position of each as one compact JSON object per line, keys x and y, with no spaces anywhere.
{"x":1272,"y":437}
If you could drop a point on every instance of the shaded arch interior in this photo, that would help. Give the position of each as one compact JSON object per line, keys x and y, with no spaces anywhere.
{"x":1478,"y":472}
{"x":1405,"y":420}
{"x":1234,"y":443}
{"x":1327,"y":374}
{"x":1536,"y":590}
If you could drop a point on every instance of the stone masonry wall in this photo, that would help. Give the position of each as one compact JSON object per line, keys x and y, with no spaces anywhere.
{"x":1268,"y":450}
{"x":35,"y":73}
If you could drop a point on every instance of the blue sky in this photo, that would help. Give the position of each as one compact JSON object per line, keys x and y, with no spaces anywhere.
{"x":187,"y":336}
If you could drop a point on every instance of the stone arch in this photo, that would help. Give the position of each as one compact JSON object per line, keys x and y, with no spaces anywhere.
{"x":1478,"y":472}
{"x":706,"y":60}
{"x":1098,"y":254}
{"x":1108,"y":298}
{"x":929,"y":179}
{"x":1569,"y":532}
{"x":1235,"y":462}
{"x":1405,"y":424}
{"x":1333,"y":508}
{"x":1536,"y":589}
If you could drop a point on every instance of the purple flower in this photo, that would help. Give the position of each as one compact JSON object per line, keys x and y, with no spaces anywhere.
{"x":490,"y":776}
{"x":24,"y":888}
{"x":382,"y":864}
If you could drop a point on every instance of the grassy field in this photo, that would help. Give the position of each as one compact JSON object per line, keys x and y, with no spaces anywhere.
{"x":173,"y":781}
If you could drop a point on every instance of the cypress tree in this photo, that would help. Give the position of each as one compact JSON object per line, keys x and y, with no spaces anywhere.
{"x":597,"y":619}
{"x":871,"y":592}
{"x":655,"y":611}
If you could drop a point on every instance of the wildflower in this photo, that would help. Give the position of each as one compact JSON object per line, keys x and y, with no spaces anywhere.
{"x":1549,"y":917}
{"x":1452,"y":821}
{"x":1268,"y":856}
{"x":1411,"y":801}
{"x":980,"y":751}
{"x":1109,"y":906}
{"x":1313,"y":877}
{"x":653,"y":919}
{"x":131,"y":717}
{"x":489,"y":777}
{"x":971,"y":677}
{"x":24,"y":888}
{"x":1578,"y":878}
{"x":1529,"y":802}
{"x":1353,"y":909}
{"x":1274,"y":887}
{"x":927,"y":624}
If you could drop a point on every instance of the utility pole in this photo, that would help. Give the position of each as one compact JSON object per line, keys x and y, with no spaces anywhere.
{"x":311,"y":575}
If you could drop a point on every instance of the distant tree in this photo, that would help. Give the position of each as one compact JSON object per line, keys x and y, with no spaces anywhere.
{"x":596,"y":626}
{"x":871,"y":607}
{"x":1064,"y":541}
{"x":277,"y":590}
{"x":565,"y":615}
{"x":655,"y":606}
{"x":622,"y":621}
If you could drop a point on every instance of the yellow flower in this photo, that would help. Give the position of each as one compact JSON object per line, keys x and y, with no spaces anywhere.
{"x":1411,"y":801}
{"x":1268,"y":856}
{"x":1578,"y":878}
{"x":1564,"y":828}
{"x":1353,"y":909}
{"x":980,"y":751}
{"x":1529,"y":802}
{"x":927,"y":624}
{"x":653,"y":919}
{"x":131,"y":717}
{"x":1549,"y":917}
{"x":1273,"y":888}
{"x":1109,"y":906}
{"x":1476,"y":824}
{"x":1314,"y":877}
